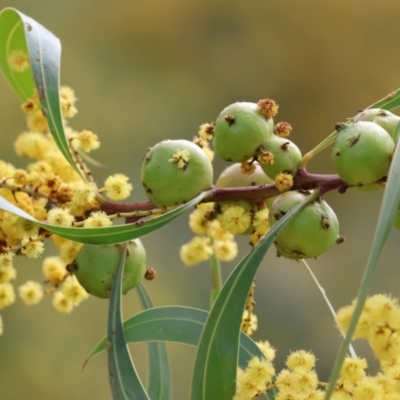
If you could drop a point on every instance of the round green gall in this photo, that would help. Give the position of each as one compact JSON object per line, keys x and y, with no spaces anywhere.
{"x":310,"y":233}
{"x":383,"y":118}
{"x":362,"y":153}
{"x":239,"y":131}
{"x":174,"y":172}
{"x":286,"y":157}
{"x":95,"y":267}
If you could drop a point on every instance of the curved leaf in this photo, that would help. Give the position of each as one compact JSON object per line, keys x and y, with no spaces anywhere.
{"x":12,"y":39}
{"x":387,"y":213}
{"x":110,"y":234}
{"x":20,"y":32}
{"x":124,"y":381}
{"x":159,"y":384}
{"x":175,"y":324}
{"x":217,"y":355}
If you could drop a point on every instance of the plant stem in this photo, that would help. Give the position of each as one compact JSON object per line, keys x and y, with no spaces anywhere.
{"x":324,"y":144}
{"x":331,"y":309}
{"x":216,"y":277}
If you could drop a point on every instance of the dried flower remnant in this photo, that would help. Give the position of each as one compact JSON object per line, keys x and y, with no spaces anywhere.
{"x":282,"y":129}
{"x":180,"y":159}
{"x":206,"y":131}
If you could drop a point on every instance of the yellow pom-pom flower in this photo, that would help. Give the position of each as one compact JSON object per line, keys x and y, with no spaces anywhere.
{"x":32,"y":248}
{"x":7,"y":273}
{"x":234,"y":219}
{"x":18,"y":60}
{"x":196,"y":251}
{"x":353,"y":369}
{"x":249,"y":322}
{"x":7,"y":295}
{"x":301,"y":358}
{"x":69,"y":250}
{"x":83,"y":194}
{"x":68,"y":99}
{"x":225,"y":250}
{"x":87,"y":141}
{"x":54,"y":270}
{"x":31,"y":293}
{"x":267,"y":350}
{"x":61,"y":303}
{"x":60,"y":216}
{"x":73,"y":291}
{"x":97,"y":219}
{"x":117,"y":187}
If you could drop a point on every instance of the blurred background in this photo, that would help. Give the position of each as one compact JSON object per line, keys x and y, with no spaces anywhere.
{"x":150,"y":70}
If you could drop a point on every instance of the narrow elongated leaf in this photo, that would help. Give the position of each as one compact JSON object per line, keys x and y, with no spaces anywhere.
{"x":389,"y":102}
{"x":110,"y":234}
{"x":159,"y":384}
{"x":388,"y":210}
{"x":175,"y":324}
{"x":124,"y":381}
{"x":19,"y":32}
{"x":216,"y":361}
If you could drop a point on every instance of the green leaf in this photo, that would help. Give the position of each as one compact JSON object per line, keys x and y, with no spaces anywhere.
{"x":20,"y":32}
{"x":124,"y":381}
{"x":110,"y":234}
{"x":12,"y":39}
{"x":175,"y":324}
{"x":387,"y":213}
{"x":159,"y":384}
{"x":389,"y":102}
{"x":216,"y":361}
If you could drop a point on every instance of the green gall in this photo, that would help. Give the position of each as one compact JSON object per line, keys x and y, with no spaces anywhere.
{"x":240,"y":130}
{"x":287,"y":157}
{"x":95,"y":267}
{"x":310,"y":233}
{"x":381,"y":117}
{"x":174,"y":172}
{"x":362,"y":153}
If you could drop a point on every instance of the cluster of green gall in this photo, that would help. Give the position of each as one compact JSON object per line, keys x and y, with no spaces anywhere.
{"x":175,"y":171}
